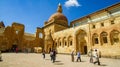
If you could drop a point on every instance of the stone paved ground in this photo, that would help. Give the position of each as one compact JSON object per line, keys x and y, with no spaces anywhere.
{"x":36,"y":60}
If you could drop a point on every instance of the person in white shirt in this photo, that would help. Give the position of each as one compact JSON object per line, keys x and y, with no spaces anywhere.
{"x":96,"y":56}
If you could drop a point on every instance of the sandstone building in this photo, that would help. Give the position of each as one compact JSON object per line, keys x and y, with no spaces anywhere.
{"x":99,"y":30}
{"x":14,"y":36}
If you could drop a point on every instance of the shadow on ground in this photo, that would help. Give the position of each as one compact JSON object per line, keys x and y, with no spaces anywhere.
{"x":79,"y":61}
{"x":1,"y":60}
{"x":47,"y":59}
{"x":58,"y":63}
{"x":102,"y":65}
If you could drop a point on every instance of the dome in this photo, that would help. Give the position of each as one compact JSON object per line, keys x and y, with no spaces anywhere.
{"x":58,"y":16}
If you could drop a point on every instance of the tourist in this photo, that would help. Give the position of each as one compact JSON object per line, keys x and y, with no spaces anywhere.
{"x":96,"y":57}
{"x":51,"y":55}
{"x":16,"y":50}
{"x":91,"y":55}
{"x":78,"y":56}
{"x":43,"y":53}
{"x":72,"y":56}
{"x":54,"y":56}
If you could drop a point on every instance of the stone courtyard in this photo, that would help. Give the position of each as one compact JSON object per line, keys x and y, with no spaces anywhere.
{"x":36,"y":60}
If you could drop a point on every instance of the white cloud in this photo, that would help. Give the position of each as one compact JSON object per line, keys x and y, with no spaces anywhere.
{"x":70,"y":3}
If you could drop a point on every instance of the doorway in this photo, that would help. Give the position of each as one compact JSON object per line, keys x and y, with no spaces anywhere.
{"x":14,"y":48}
{"x":85,"y":49}
{"x":81,"y":38}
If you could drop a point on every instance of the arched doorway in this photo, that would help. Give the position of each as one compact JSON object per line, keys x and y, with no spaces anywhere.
{"x":81,"y":40}
{"x":48,"y":48}
{"x":14,"y":45}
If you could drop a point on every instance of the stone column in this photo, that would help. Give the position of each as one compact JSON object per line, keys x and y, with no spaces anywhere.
{"x":45,"y":46}
{"x":74,"y":43}
{"x":99,"y":40}
{"x":62,"y":42}
{"x":58,"y":44}
{"x":108,"y":38}
{"x":37,"y":34}
{"x":68,"y":42}
{"x":119,"y":37}
{"x":90,"y":42}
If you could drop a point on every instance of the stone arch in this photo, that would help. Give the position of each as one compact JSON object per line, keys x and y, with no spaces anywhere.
{"x":59,"y":42}
{"x":48,"y":43}
{"x":64,"y":42}
{"x":115,"y":36}
{"x":103,"y":37}
{"x":95,"y":39}
{"x":81,"y":41}
{"x":55,"y":44}
{"x":16,"y":31}
{"x":40,"y":35}
{"x":78,"y":31}
{"x":70,"y":41}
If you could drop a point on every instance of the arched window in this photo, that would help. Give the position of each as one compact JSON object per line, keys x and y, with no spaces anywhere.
{"x":114,"y":36}
{"x":104,"y":37}
{"x":40,"y":35}
{"x":93,"y":26}
{"x":95,"y":39}
{"x":56,"y":44}
{"x":102,"y":24}
{"x":16,"y":31}
{"x":70,"y":41}
{"x":112,"y":22}
{"x":60,"y":43}
{"x":64,"y":41}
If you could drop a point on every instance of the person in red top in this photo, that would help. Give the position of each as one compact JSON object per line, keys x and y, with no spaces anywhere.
{"x":16,"y":50}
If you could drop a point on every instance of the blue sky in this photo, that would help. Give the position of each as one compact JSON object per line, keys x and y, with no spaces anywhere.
{"x":33,"y":13}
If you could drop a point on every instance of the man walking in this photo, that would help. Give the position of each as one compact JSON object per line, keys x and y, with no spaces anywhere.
{"x":51,"y":55}
{"x":78,"y":56}
{"x":43,"y":53}
{"x":72,"y":56}
{"x":96,"y":57}
{"x":54,"y":56}
{"x":91,"y":55}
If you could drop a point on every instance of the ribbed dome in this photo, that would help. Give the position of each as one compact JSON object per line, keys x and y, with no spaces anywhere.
{"x":58,"y":16}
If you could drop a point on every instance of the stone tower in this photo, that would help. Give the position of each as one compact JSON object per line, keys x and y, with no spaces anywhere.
{"x":55,"y":23}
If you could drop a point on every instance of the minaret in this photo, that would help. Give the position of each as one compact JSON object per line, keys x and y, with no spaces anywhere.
{"x":2,"y":24}
{"x":59,"y":8}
